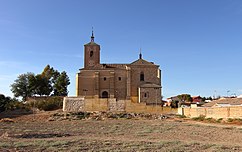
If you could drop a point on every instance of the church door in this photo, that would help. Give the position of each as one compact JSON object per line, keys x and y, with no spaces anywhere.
{"x":105,"y":94}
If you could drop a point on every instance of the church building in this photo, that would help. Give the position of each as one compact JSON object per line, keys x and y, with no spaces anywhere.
{"x":139,"y":81}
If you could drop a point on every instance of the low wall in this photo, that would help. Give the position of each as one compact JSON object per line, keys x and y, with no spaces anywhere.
{"x":75,"y":104}
{"x":212,"y":112}
{"x":143,"y":108}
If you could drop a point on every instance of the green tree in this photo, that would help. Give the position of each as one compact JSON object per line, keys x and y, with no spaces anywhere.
{"x":42,"y":85}
{"x":21,"y":86}
{"x":185,"y":97}
{"x":61,"y":84}
{"x":58,"y":81}
{"x":3,"y":103}
{"x":49,"y":82}
{"x":50,"y":73}
{"x":47,"y":72}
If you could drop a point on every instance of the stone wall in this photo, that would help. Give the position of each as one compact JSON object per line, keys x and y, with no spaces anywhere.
{"x":116,"y":105}
{"x":212,"y":112}
{"x":75,"y":104}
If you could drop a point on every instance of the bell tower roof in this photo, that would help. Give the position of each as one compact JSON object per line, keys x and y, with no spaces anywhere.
{"x":92,"y":37}
{"x":92,"y":40}
{"x":140,"y":54}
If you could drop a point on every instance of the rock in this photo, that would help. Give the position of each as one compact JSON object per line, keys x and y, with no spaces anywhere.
{"x":7,"y":120}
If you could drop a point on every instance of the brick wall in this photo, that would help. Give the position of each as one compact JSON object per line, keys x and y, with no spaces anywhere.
{"x":212,"y":112}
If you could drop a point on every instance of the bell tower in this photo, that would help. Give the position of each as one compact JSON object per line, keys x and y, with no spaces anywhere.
{"x":91,"y":53}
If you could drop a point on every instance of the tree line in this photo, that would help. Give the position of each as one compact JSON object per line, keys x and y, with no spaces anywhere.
{"x":48,"y":83}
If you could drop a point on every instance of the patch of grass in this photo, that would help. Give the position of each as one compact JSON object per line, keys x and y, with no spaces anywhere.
{"x":207,"y":146}
{"x":229,"y":128}
{"x":59,"y":143}
{"x":237,"y":121}
{"x":24,"y":144}
{"x":37,"y":144}
{"x":181,"y":116}
{"x":200,"y":118}
{"x":5,"y":144}
{"x":147,"y":130}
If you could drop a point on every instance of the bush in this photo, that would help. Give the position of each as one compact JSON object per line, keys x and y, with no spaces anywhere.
{"x":7,"y":103}
{"x":14,"y":105}
{"x":219,"y":120}
{"x":48,"y":104}
{"x":211,"y":120}
{"x":230,"y":120}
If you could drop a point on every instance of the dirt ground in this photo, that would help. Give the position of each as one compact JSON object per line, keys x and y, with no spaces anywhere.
{"x":37,"y":133}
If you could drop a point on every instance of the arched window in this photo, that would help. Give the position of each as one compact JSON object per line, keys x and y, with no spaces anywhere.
{"x":142,"y":76}
{"x":91,"y":53}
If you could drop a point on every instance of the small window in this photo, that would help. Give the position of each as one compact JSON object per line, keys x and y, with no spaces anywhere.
{"x":119,"y":78}
{"x":104,"y":78}
{"x":91,"y":53}
{"x":146,"y":95}
{"x":142,"y":76}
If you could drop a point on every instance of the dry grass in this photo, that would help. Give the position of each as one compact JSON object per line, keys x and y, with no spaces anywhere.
{"x":117,"y":135}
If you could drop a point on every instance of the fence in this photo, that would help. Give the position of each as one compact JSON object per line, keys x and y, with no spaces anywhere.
{"x":212,"y":112}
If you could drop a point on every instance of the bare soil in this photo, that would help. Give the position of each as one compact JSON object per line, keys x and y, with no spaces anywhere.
{"x":39,"y":132}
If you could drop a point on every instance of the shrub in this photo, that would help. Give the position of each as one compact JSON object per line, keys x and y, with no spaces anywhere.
{"x":7,"y":103}
{"x":219,"y":120}
{"x":48,"y":104}
{"x":230,"y":120}
{"x":13,"y":105}
{"x":211,"y":120}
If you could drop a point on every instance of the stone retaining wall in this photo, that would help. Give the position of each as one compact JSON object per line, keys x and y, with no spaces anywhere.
{"x":75,"y":104}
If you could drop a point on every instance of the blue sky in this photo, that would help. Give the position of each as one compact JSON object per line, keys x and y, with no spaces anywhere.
{"x":198,"y":44}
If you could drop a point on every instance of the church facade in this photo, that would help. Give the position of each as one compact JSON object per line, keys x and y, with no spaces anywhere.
{"x":139,"y":81}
